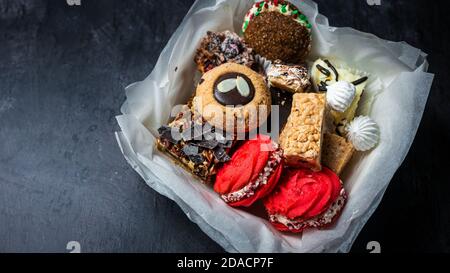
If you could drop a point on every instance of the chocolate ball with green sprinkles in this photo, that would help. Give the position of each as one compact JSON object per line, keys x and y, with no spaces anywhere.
{"x":278,"y":30}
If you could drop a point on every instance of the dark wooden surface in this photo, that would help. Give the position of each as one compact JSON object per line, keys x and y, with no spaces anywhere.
{"x":63,"y":178}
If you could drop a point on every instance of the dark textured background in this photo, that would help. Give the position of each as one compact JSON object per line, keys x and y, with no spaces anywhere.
{"x":63,"y":178}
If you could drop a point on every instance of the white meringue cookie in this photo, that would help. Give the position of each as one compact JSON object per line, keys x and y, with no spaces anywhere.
{"x":363,"y":133}
{"x":340,"y":95}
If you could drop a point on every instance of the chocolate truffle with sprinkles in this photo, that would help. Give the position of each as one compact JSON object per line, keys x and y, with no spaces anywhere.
{"x":278,"y":30}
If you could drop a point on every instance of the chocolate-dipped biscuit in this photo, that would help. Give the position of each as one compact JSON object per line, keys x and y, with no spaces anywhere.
{"x":233,"y":98}
{"x":278,"y":30}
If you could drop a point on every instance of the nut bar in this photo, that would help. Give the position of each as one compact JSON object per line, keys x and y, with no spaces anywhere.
{"x":292,"y":78}
{"x":301,"y":138}
{"x":195,"y":145}
{"x":336,"y":152}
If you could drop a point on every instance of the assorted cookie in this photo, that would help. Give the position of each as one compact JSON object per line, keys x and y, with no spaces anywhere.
{"x":301,"y":138}
{"x":195,"y":144}
{"x":233,"y":97}
{"x":339,"y":79}
{"x":340,"y":96}
{"x":363,"y":132}
{"x":305,"y":199}
{"x":252,"y":172}
{"x":277,"y":30}
{"x":298,"y":177}
{"x":217,"y":48}
{"x":336,"y":152}
{"x":292,"y":78}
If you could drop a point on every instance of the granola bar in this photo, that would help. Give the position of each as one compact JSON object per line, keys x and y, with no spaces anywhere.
{"x":336,"y":152}
{"x":301,"y":138}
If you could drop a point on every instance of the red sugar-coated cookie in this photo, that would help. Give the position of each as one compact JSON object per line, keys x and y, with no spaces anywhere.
{"x":251,"y":174}
{"x":304,"y":198}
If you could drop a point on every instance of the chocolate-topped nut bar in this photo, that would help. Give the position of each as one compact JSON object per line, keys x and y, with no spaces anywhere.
{"x":301,"y":138}
{"x":195,"y":144}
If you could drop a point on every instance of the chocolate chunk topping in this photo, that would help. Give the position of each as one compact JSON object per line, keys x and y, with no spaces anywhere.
{"x":227,"y":144}
{"x":196,"y":141}
{"x":166,"y":133}
{"x":207,"y":144}
{"x":197,"y":159}
{"x":194,"y":154}
{"x":234,"y":89}
{"x":190,"y":150}
{"x":220,"y":154}
{"x":197,"y":138}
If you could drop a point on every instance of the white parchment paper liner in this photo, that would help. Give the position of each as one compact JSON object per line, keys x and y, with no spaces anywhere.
{"x":395,"y":98}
